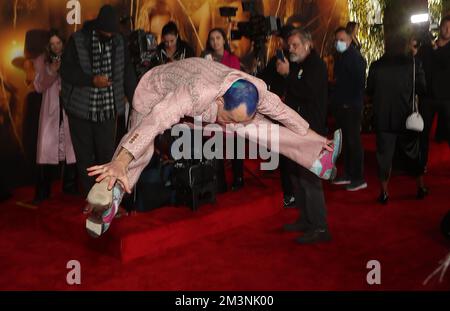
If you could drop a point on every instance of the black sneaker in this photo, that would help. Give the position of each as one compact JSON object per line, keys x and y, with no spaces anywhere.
{"x":355,"y":186}
{"x":296,"y":226}
{"x":315,"y":236}
{"x":288,"y":201}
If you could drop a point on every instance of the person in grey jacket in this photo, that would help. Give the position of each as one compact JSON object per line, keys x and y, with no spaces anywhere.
{"x":97,"y":75}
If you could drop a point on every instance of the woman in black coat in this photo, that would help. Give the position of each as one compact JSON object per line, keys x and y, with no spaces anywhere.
{"x":390,"y":86}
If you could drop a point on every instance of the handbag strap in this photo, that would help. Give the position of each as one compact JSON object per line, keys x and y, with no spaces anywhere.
{"x":414,"y":103}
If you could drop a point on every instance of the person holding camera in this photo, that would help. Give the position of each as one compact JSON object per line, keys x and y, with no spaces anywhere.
{"x":54,"y":144}
{"x":276,"y":84}
{"x":97,"y":74}
{"x":306,"y":93}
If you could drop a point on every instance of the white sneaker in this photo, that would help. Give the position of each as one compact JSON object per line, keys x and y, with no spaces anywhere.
{"x":356,"y":186}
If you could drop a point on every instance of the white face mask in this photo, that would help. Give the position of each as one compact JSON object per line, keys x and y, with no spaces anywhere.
{"x":341,"y":46}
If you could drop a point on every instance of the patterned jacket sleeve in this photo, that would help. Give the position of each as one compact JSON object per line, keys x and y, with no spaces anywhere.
{"x":271,"y":106}
{"x":173,"y":107}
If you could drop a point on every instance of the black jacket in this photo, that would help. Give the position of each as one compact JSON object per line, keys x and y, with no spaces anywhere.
{"x":436,"y":64}
{"x":183,"y":51}
{"x":390,"y":86}
{"x":71,"y":70}
{"x":350,"y":75}
{"x":307,"y":91}
{"x":440,"y":86}
{"x":275,"y":81}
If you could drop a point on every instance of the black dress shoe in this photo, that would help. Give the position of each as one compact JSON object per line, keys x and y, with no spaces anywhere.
{"x":315,"y":236}
{"x":383,"y":198}
{"x":237,"y":184}
{"x":422,"y":192}
{"x":296,"y":226}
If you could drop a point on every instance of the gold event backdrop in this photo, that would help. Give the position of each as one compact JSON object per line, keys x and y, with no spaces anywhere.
{"x":194,"y":18}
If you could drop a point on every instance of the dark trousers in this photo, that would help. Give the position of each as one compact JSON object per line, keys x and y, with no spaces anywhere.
{"x":443,"y":123}
{"x":404,"y":146}
{"x":428,"y":108}
{"x":47,"y":172}
{"x":286,"y":183}
{"x":237,"y":166}
{"x":4,"y":190}
{"x":349,"y":120}
{"x":309,"y":197}
{"x":94,"y":143}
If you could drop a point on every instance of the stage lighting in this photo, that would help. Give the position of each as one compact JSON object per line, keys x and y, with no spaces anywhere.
{"x":419,"y":18}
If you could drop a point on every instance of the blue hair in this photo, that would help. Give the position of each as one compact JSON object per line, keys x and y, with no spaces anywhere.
{"x":241,"y":92}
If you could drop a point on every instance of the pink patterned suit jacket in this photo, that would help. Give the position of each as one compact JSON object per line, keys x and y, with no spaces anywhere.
{"x":194,"y":87}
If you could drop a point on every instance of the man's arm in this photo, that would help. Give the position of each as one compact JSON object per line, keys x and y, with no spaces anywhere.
{"x":137,"y":146}
{"x":70,"y":67}
{"x":421,"y":84}
{"x":271,"y":106}
{"x":163,"y":116}
{"x":370,"y":89}
{"x":358,"y":69}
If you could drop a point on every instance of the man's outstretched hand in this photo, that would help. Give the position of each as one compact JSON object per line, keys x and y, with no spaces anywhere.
{"x":116,"y":171}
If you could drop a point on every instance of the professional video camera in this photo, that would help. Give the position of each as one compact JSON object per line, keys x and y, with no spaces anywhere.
{"x":258,"y":28}
{"x":143,"y":49}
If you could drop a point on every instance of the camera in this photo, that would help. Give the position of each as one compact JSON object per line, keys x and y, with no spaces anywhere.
{"x":259,"y":27}
{"x":143,"y":50}
{"x":280,"y":55}
{"x":55,"y":58}
{"x":227,"y":11}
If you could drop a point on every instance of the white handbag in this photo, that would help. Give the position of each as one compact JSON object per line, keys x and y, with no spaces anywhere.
{"x":414,"y":122}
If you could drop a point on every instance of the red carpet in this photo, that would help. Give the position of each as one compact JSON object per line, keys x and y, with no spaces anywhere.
{"x":236,"y":244}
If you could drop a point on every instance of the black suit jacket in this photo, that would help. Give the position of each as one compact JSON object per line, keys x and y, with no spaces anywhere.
{"x":307,"y":91}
